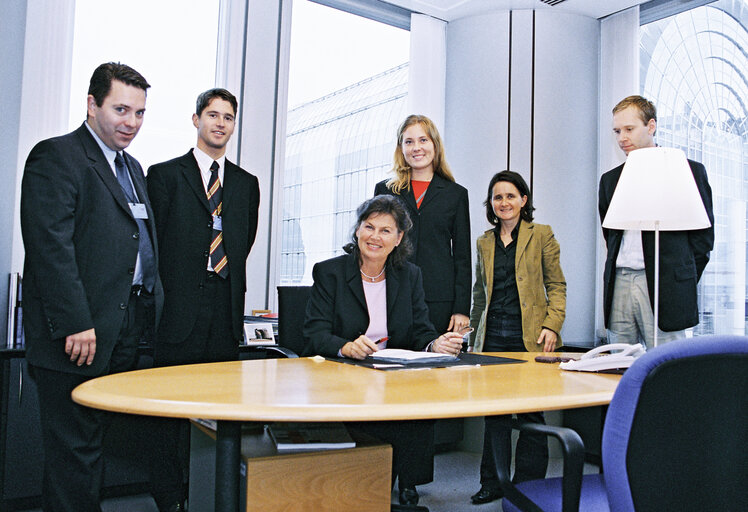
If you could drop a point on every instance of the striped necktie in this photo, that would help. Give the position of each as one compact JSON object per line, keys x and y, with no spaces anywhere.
{"x":217,"y":254}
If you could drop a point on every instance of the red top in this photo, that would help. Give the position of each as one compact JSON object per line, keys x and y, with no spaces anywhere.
{"x":419,"y":190}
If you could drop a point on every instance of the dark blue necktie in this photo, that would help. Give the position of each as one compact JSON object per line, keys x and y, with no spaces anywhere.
{"x":145,"y":246}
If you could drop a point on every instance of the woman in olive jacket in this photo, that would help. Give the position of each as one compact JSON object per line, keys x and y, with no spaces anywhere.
{"x":519,"y":304}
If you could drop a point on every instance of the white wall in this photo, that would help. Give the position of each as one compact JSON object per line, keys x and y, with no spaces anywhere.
{"x":12,"y":34}
{"x":37,"y":39}
{"x":535,"y":113}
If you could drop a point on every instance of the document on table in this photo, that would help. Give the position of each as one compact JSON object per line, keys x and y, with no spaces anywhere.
{"x":402,"y":356}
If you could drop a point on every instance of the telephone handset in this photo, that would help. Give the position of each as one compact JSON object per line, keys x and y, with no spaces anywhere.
{"x":621,"y":356}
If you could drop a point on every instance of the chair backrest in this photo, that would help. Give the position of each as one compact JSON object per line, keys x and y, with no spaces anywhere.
{"x":676,"y":432}
{"x":291,"y":313}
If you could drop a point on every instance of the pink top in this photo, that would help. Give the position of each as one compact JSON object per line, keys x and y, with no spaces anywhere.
{"x":376,"y":303}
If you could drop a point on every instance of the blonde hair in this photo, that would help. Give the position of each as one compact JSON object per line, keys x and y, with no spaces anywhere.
{"x":645,"y":107}
{"x":402,"y":172}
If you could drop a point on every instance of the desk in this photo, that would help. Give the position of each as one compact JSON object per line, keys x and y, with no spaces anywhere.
{"x":306,"y":389}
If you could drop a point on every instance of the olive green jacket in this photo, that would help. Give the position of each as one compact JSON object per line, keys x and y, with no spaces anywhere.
{"x":540,"y":283}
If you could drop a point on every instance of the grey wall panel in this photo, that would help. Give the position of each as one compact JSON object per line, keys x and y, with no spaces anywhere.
{"x":476,"y":104}
{"x":521,"y":93}
{"x":565,"y":154}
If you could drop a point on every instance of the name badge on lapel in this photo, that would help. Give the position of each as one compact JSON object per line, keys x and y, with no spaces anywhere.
{"x":138,"y":210}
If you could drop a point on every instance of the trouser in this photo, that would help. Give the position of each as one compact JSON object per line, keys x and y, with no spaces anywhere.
{"x":631,"y":316}
{"x":504,"y":334}
{"x":412,"y":455}
{"x":211,"y":340}
{"x":72,"y":435}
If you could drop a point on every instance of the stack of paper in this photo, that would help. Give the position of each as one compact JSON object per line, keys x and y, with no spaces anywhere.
{"x":402,"y":356}
{"x":310,"y":436}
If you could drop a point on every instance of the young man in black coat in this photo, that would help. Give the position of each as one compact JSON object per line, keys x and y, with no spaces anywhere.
{"x":206,"y":219}
{"x":629,"y":267}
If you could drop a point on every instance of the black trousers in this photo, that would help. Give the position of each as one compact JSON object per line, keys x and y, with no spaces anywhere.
{"x":412,"y":453}
{"x":211,"y":340}
{"x":504,"y":334}
{"x":72,"y":435}
{"x":440,"y":313}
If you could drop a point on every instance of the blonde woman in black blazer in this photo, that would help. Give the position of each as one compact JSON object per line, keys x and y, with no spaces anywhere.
{"x":441,"y":221}
{"x":369,"y":294}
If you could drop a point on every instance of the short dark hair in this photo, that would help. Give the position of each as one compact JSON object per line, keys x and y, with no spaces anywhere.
{"x":645,"y":107}
{"x":378,"y":205}
{"x":101,"y":80}
{"x":519,"y":182}
{"x":205,"y":98}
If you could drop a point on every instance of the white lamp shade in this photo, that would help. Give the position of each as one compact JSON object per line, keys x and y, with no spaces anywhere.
{"x":656,"y":185}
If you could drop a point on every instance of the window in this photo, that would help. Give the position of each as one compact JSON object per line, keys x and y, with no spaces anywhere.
{"x":693,"y":67}
{"x":348,"y":90}
{"x":172,"y":43}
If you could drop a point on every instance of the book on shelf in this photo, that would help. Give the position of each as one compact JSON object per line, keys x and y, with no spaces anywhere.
{"x":14,"y":335}
{"x":310,"y":436}
{"x":402,"y":356}
{"x":207,"y":423}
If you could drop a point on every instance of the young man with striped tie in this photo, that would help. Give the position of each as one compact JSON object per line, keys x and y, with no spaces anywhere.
{"x":205,"y":208}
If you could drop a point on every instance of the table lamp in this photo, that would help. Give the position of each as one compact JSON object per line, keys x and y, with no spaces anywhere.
{"x":656,"y":192}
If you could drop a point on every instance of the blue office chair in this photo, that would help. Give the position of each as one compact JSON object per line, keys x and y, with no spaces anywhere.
{"x":675,"y":437}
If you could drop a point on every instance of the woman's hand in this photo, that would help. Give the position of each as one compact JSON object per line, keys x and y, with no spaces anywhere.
{"x":548,"y":338}
{"x":359,"y":348}
{"x":457,"y":322}
{"x":448,"y":343}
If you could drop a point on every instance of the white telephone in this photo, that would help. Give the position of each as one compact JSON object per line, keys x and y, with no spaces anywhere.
{"x":599,"y":359}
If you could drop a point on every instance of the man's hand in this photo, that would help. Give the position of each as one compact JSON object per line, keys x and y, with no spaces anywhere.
{"x":81,"y":347}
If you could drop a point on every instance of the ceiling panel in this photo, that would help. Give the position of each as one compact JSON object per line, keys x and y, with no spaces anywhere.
{"x":449,"y":10}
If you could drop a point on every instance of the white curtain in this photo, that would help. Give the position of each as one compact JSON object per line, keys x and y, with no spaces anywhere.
{"x":428,"y":68}
{"x":619,"y":77}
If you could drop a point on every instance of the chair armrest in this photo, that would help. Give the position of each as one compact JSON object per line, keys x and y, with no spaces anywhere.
{"x":572,"y":448}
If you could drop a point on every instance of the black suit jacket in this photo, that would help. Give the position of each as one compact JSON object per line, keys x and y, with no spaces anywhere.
{"x":683,"y":256}
{"x":81,"y":244}
{"x":336,"y":312}
{"x":185,"y":231}
{"x":441,"y":240}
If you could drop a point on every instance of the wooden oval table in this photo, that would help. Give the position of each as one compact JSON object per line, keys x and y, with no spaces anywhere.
{"x":317,"y":390}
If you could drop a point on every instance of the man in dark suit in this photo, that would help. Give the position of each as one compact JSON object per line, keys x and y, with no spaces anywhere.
{"x":629,"y":268}
{"x":91,"y":286}
{"x":206,"y":219}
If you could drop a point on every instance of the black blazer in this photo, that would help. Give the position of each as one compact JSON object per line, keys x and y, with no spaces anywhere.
{"x":81,"y":246}
{"x":336,"y":312}
{"x":185,"y":231}
{"x":441,"y":240}
{"x":683,"y":256}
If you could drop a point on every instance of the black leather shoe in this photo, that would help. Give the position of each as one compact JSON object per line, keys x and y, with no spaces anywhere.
{"x":409,"y":496}
{"x":485,"y":495}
